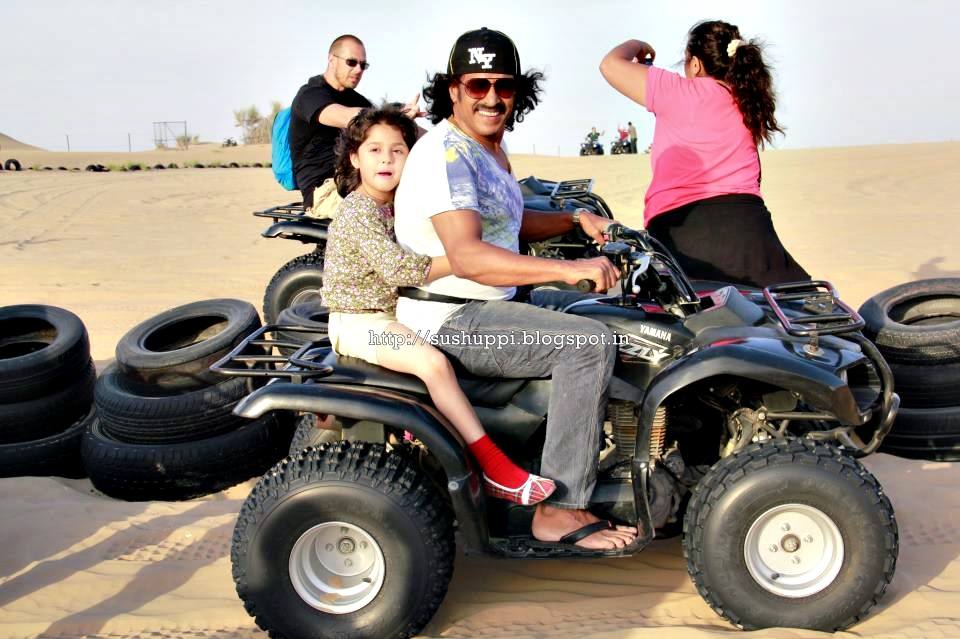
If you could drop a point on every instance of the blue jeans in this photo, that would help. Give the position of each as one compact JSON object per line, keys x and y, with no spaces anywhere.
{"x":580,"y":369}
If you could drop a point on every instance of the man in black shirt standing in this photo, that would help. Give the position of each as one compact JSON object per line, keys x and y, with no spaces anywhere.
{"x":323,"y":106}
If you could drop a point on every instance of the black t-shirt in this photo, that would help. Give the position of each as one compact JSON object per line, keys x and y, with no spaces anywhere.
{"x":311,"y":143}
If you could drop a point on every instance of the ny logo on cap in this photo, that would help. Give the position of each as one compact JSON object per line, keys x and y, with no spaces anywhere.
{"x":477,"y":56}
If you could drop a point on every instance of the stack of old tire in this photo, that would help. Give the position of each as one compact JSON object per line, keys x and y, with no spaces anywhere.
{"x":46,"y":391}
{"x":165,"y":427}
{"x":917,"y":328}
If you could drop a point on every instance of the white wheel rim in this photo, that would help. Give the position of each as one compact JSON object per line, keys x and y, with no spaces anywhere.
{"x":793,"y":550}
{"x":336,"y":567}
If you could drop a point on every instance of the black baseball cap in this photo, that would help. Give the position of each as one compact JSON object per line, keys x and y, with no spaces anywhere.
{"x":484,"y":51}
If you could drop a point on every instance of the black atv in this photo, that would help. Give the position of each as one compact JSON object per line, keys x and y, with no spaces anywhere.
{"x":734,"y":417}
{"x":299,"y":280}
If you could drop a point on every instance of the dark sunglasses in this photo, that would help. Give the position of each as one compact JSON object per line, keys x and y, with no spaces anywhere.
{"x":352,"y":62}
{"x":477,"y":88}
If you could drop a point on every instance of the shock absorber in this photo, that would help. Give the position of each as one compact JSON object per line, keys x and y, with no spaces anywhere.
{"x":658,"y":434}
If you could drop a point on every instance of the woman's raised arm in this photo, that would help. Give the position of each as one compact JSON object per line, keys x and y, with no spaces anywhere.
{"x":625,"y":70}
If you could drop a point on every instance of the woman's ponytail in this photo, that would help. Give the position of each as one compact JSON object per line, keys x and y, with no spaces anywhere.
{"x":739,"y":63}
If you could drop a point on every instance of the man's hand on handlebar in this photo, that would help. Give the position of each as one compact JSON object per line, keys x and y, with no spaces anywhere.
{"x":598,"y":269}
{"x":594,"y":226}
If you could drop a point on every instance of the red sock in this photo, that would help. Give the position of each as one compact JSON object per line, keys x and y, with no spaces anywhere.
{"x":496,"y":465}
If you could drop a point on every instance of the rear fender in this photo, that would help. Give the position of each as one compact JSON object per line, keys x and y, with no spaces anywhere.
{"x":307,"y":232}
{"x":392,"y":409}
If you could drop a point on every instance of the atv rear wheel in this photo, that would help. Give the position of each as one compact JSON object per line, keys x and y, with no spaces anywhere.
{"x":346,"y":540}
{"x":790,"y":533}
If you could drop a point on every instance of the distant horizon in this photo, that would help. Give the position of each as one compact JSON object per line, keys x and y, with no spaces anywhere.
{"x":847,"y":74}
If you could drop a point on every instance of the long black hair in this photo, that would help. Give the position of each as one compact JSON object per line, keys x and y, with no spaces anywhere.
{"x":440,"y":107}
{"x":346,"y":175}
{"x":745,"y":72}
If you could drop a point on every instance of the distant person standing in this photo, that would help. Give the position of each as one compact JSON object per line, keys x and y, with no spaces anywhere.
{"x":704,"y":200}
{"x":324,"y":106}
{"x":632,"y":131}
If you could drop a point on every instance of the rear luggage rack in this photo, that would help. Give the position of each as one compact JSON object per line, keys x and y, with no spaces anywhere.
{"x":581,"y":189}
{"x":255,"y":355}
{"x":822,"y":311}
{"x":293,"y":211}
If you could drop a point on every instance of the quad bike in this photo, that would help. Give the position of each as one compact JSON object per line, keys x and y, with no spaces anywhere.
{"x":591,"y":147}
{"x":736,"y":417}
{"x":620,"y":147}
{"x":299,"y":280}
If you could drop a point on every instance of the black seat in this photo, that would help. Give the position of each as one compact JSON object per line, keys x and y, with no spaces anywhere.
{"x":481,"y":391}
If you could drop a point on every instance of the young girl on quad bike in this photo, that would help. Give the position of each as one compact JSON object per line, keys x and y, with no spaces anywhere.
{"x":364,"y":267}
{"x":704,"y":201}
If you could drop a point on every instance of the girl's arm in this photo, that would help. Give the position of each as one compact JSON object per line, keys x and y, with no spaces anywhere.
{"x":439,"y":267}
{"x":395,"y":266}
{"x":623,"y":69}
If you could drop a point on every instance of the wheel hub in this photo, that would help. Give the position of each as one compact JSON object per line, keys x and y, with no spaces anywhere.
{"x":793,"y":550}
{"x":336,"y":567}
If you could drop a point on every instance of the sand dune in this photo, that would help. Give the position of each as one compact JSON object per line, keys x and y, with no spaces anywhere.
{"x":117,"y":248}
{"x":9,"y":144}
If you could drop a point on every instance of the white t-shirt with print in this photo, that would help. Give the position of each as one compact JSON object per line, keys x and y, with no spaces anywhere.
{"x":446,"y":171}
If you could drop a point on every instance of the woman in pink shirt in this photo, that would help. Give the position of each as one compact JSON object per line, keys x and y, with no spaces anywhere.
{"x":704,"y":201}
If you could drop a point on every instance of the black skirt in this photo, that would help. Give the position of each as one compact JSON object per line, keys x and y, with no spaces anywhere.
{"x":728,"y":238}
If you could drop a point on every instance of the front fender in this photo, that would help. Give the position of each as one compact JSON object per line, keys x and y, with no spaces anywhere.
{"x":766,"y":360}
{"x":392,"y":409}
{"x":307,"y":232}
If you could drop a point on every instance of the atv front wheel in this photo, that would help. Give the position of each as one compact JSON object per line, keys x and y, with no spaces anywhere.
{"x":297,"y":282}
{"x":790,"y":533}
{"x":346,"y":540}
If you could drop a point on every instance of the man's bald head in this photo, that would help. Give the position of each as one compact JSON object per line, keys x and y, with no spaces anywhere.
{"x":335,"y":45}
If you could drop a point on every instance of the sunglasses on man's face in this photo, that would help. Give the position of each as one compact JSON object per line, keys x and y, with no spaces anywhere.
{"x":352,"y":62}
{"x":477,"y":88}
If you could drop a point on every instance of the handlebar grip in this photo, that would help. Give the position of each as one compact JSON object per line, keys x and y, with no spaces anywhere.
{"x":586,"y":286}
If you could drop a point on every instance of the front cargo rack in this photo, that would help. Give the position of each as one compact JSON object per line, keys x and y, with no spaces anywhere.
{"x":815,"y":309}
{"x":261,"y":354}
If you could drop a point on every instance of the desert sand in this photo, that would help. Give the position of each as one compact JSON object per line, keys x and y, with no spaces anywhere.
{"x":117,"y":248}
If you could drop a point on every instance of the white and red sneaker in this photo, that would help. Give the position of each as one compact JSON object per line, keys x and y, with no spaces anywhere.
{"x":531,"y":492}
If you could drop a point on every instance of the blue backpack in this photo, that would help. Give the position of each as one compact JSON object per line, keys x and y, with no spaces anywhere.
{"x":280,"y":151}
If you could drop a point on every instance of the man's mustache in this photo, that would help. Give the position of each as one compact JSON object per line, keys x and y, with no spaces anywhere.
{"x":500,"y":107}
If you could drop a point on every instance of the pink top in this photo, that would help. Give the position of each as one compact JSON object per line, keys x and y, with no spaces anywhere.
{"x":701,"y":147}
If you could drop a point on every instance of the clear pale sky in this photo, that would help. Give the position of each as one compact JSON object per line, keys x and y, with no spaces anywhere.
{"x":848,"y":72}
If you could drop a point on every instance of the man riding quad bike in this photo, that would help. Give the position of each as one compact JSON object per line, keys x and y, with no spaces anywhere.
{"x":736,"y":417}
{"x":299,"y":280}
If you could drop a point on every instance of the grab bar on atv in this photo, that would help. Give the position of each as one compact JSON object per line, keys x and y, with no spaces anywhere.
{"x":292,"y":211}
{"x":823,"y":295}
{"x":253,"y":357}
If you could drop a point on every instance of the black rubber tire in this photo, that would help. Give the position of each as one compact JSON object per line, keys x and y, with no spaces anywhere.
{"x":44,"y":416}
{"x":312,"y":315}
{"x":172,"y":472}
{"x":42,"y":349}
{"x":173,"y":165}
{"x":56,"y":455}
{"x":917,"y":322}
{"x":297,"y":282}
{"x":175,"y":349}
{"x":159,"y":167}
{"x":743,"y":486}
{"x":365,"y":486}
{"x":307,"y":435}
{"x":932,"y":434}
{"x":12,"y":165}
{"x":136,"y":413}
{"x":925,"y":386}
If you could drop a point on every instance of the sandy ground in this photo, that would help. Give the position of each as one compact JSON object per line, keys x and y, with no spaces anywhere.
{"x":117,"y":248}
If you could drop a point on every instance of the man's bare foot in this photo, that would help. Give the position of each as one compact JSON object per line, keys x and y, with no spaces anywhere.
{"x":551,"y":523}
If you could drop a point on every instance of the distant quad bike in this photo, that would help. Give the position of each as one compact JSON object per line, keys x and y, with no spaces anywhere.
{"x":299,"y":280}
{"x":736,"y":417}
{"x":620,"y":147}
{"x":589,"y":147}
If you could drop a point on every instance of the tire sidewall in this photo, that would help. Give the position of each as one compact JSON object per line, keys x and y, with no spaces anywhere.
{"x":405,"y":555}
{"x":733,"y":513}
{"x":288,"y":284}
